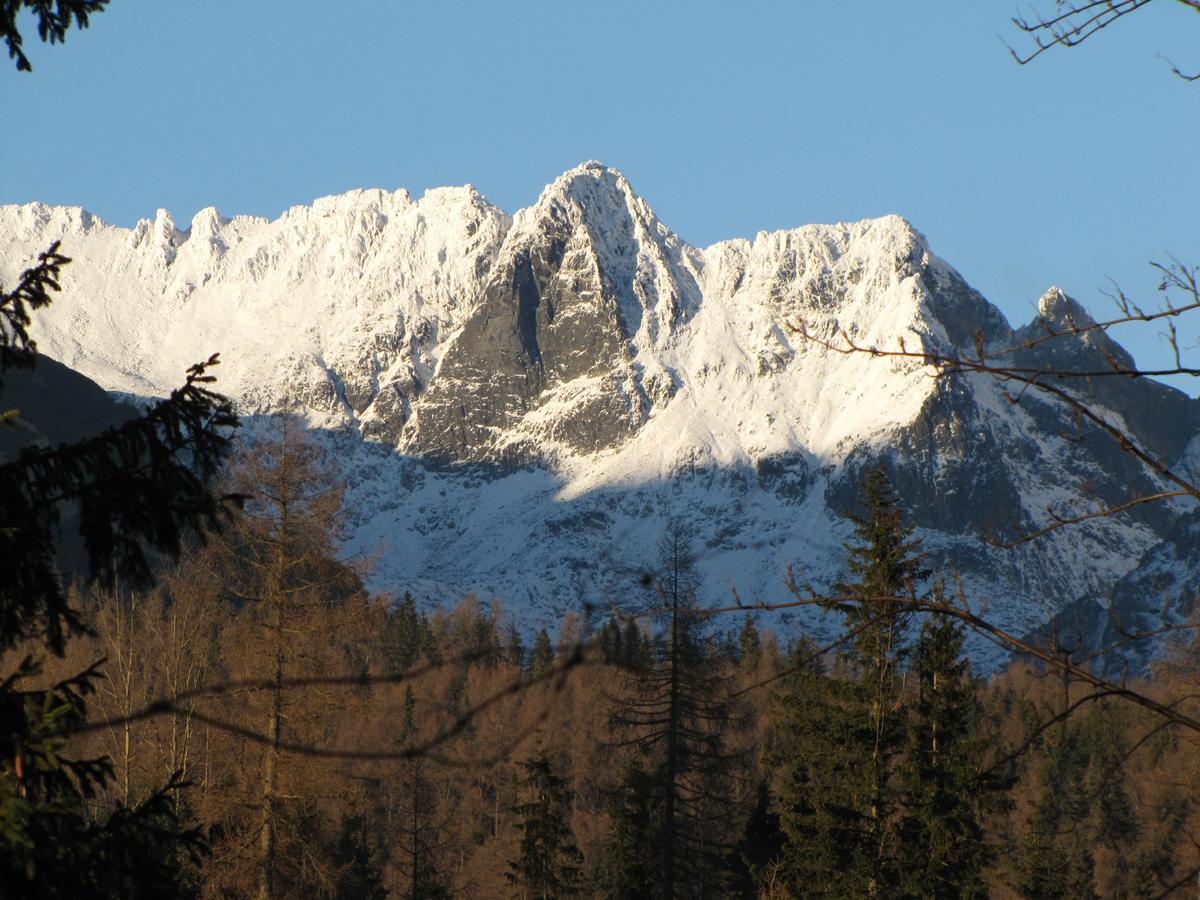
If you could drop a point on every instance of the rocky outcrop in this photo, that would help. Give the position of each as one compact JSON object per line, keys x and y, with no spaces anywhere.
{"x":519,"y":402}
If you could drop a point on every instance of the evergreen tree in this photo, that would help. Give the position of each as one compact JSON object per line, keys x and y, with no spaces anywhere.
{"x":53,"y":22}
{"x":1053,"y":870}
{"x":484,"y":641}
{"x":841,"y":739}
{"x":416,"y":816}
{"x":820,"y":759}
{"x":515,"y":653}
{"x":759,"y":849}
{"x":549,"y":862}
{"x":1116,"y":822}
{"x":749,"y":644}
{"x":359,"y":867}
{"x":541,"y":659}
{"x":635,"y":654}
{"x":406,"y":636}
{"x":1043,"y":868}
{"x":1082,"y":806}
{"x":609,"y":642}
{"x":884,"y":561}
{"x":942,"y":848}
{"x":631,"y":865}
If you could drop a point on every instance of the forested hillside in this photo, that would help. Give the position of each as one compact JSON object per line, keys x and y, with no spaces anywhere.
{"x":547,"y":554}
{"x":337,"y":744}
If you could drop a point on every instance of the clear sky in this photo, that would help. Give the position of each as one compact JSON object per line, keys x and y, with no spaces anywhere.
{"x":729,"y":118}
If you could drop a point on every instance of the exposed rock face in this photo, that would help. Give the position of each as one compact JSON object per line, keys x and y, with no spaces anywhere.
{"x":587,"y":279}
{"x":1133,"y":628}
{"x":518,"y":403}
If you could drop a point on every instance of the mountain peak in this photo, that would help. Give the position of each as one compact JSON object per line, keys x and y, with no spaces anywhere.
{"x":606,"y":376}
{"x":1056,"y":308}
{"x":591,"y":189}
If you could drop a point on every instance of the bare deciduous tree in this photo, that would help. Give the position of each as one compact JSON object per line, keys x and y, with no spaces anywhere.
{"x":1071,"y":22}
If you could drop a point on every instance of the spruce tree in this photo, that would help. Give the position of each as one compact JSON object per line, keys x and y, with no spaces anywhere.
{"x":406,"y":636}
{"x":635,"y":655}
{"x":541,"y":659}
{"x":358,"y":865}
{"x":1116,"y":821}
{"x":759,"y":849}
{"x":823,"y":745}
{"x":54,"y":20}
{"x":749,"y":644}
{"x":1043,"y":871}
{"x":883,"y":562}
{"x":549,"y":863}
{"x":514,"y":654}
{"x":841,"y":739}
{"x":415,"y":816}
{"x":609,"y":642}
{"x":941,"y":842}
{"x":631,"y":865}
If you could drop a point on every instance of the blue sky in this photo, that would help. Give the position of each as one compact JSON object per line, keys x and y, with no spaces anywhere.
{"x":729,"y":118}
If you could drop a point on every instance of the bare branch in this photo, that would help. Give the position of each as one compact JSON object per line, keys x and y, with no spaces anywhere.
{"x":555,"y":675}
{"x":948,"y":365}
{"x":1064,"y":521}
{"x":1073,"y":24}
{"x":1000,"y":636}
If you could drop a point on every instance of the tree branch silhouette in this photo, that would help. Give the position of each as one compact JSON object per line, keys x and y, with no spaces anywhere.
{"x":556,"y":676}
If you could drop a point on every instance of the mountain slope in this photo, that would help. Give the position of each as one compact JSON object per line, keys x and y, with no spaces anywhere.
{"x":519,"y":403}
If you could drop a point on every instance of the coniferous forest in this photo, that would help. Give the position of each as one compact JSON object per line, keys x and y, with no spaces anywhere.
{"x":309,"y":739}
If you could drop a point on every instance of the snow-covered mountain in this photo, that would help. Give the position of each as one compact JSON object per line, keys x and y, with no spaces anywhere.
{"x":520,"y":402}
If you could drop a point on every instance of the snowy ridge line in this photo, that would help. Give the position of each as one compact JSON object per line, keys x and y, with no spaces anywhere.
{"x":608,"y":376}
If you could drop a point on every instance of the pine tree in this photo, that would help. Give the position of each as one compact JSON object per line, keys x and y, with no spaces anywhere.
{"x":941,"y":842}
{"x":549,"y":862}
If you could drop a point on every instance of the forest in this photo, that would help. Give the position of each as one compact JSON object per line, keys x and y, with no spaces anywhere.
{"x":301,"y":737}
{"x":212,"y":704}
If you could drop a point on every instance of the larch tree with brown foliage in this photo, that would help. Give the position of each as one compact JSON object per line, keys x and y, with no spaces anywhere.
{"x":283,"y":577}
